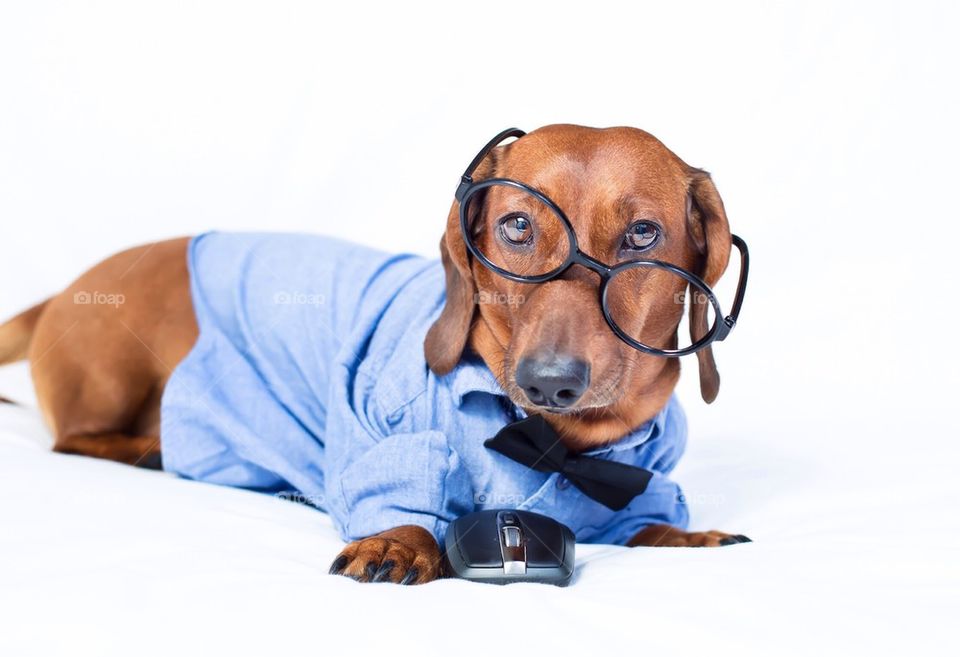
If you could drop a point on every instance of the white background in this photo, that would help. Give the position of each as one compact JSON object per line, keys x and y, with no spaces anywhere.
{"x":831,"y":132}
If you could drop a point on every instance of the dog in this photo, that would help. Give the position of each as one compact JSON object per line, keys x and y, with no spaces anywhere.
{"x":121,"y":359}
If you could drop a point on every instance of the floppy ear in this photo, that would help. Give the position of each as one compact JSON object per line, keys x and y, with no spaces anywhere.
{"x":447,"y":338}
{"x":708,"y":228}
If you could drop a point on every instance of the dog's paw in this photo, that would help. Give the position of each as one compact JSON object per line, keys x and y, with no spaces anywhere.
{"x":666,"y":536}
{"x":711,"y":538}
{"x":404,"y":555}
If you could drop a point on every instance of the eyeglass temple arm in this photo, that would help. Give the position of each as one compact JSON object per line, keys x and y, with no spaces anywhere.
{"x":731,"y":320}
{"x":467,"y":178}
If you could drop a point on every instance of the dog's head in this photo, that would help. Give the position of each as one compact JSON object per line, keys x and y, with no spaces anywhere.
{"x":548,"y":343}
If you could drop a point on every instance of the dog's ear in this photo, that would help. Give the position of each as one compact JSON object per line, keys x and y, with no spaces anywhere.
{"x":708,"y":228}
{"x":448,"y":336}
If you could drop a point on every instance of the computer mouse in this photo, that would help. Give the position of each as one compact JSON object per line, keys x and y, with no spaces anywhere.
{"x":500,"y":546}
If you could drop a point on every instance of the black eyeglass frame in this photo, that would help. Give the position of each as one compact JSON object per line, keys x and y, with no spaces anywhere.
{"x":717,"y":333}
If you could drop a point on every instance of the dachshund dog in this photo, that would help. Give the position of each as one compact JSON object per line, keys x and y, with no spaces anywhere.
{"x":101,"y":365}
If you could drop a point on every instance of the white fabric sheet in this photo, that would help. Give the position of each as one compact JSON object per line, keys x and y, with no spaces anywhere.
{"x":103,"y":559}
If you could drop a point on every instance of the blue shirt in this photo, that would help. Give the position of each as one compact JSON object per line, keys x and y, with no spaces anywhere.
{"x":308,"y":377}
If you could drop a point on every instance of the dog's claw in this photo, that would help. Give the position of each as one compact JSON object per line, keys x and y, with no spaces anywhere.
{"x":736,"y":538}
{"x":410,"y":577}
{"x":336,"y":568}
{"x":371,"y":570}
{"x":383,"y":574}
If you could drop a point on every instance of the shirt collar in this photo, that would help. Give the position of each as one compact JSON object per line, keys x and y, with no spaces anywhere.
{"x":473,"y":375}
{"x":646,"y":431}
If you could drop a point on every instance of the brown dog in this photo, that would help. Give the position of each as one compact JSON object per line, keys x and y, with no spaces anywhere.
{"x":100,"y":368}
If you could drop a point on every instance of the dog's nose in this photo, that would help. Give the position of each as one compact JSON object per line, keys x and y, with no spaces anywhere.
{"x":553,"y":382}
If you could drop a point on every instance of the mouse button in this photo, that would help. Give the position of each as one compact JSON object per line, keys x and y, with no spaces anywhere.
{"x":479,"y":545}
{"x":544,"y":541}
{"x":511,"y":537}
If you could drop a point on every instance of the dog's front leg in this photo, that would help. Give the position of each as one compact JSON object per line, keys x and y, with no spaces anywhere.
{"x":667,"y":536}
{"x":404,"y":555}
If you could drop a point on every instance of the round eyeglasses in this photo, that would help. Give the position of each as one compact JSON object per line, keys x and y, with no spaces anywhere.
{"x":534,"y":242}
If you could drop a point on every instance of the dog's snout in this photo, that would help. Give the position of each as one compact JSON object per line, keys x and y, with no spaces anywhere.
{"x":553,"y":382}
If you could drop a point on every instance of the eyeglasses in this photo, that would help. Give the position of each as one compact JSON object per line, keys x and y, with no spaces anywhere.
{"x":534,"y":242}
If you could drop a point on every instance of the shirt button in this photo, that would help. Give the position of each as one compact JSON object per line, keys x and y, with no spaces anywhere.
{"x":395,"y":417}
{"x":563,"y":483}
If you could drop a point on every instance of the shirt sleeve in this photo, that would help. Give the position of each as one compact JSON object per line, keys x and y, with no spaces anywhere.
{"x":661,"y":504}
{"x":400,"y":479}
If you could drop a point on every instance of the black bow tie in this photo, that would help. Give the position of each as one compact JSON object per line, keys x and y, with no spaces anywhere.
{"x":536,"y":445}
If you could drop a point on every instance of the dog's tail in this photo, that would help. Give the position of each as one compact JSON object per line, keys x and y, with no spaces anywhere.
{"x":16,"y":334}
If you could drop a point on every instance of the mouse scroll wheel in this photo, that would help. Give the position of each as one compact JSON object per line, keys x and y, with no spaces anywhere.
{"x":511,"y":537}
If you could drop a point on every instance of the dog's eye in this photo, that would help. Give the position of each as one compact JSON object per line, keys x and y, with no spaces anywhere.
{"x":641,"y":236}
{"x":516,"y":229}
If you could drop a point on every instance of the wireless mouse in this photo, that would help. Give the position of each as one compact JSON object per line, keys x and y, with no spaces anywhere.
{"x":500,"y":546}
